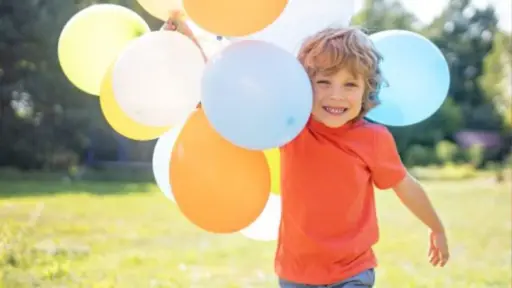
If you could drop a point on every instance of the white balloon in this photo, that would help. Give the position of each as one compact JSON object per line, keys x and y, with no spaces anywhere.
{"x":266,"y":226}
{"x":162,"y":159}
{"x":303,"y":18}
{"x":157,"y":78}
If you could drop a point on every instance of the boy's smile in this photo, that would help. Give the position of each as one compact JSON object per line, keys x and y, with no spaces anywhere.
{"x":337,"y":97}
{"x":335,"y":111}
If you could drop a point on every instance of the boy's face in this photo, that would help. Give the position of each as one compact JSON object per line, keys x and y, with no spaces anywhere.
{"x":337,"y":97}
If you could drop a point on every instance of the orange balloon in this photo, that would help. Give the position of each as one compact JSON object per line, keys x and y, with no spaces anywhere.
{"x":234,"y":18}
{"x":218,"y":186}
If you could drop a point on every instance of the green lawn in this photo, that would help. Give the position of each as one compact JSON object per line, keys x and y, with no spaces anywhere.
{"x":120,"y":235}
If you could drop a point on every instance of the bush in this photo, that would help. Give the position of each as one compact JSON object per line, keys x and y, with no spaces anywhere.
{"x":446,"y":151}
{"x":508,"y":161}
{"x":418,"y":155}
{"x":476,"y":155}
{"x":447,"y":172}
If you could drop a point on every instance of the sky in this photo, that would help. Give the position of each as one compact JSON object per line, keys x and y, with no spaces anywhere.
{"x":427,"y":10}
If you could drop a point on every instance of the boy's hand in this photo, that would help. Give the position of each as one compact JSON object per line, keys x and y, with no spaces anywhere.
{"x":176,"y":22}
{"x":438,"y":251}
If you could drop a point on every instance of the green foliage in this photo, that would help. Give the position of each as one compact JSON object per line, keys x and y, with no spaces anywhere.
{"x":418,"y":155}
{"x":379,"y":15}
{"x":465,"y":35}
{"x":508,"y":161}
{"x":46,"y":123}
{"x":446,"y":151}
{"x":475,"y":154}
{"x":448,"y":172}
{"x":496,"y":79}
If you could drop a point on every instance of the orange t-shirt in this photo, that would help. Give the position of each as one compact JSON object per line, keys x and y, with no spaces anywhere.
{"x":329,"y":221}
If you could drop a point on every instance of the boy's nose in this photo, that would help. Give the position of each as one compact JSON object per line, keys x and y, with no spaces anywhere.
{"x":337,"y":95}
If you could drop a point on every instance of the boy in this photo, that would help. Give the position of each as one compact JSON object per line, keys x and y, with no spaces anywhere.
{"x":329,"y":223}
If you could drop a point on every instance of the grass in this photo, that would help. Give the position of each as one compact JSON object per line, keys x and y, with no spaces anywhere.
{"x":57,"y":234}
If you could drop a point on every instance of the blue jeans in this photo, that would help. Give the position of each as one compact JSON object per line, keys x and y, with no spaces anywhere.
{"x":364,"y":279}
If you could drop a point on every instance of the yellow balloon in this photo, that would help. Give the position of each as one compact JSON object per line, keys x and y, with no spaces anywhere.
{"x":118,"y":120}
{"x":274,"y":163}
{"x":161,"y":8}
{"x":93,"y":39}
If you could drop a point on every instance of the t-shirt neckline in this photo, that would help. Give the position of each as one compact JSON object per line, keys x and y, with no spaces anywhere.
{"x":320,"y":127}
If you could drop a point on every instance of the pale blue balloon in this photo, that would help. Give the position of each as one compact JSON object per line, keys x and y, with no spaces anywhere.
{"x":417,"y":76}
{"x":256,"y":95}
{"x":162,"y":159}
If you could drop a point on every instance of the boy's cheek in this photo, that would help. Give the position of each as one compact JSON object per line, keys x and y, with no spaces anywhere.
{"x":355,"y":100}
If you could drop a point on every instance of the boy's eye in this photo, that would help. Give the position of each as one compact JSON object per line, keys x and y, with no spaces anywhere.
{"x":323,"y":82}
{"x":351,"y":84}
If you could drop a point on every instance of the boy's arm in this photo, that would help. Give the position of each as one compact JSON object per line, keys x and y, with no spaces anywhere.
{"x":413,"y":196}
{"x":415,"y":199}
{"x":177,"y":23}
{"x":388,"y":172}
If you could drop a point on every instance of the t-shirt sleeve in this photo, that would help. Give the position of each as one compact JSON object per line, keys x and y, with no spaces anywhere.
{"x":387,"y":168}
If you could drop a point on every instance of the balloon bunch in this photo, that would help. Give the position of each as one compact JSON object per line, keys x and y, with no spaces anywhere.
{"x":220,"y":162}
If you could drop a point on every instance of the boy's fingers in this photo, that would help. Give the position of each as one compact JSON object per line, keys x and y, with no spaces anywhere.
{"x":435,"y":261}
{"x":442,"y":263}
{"x":435,"y":258}
{"x":444,"y":258}
{"x":441,"y":259}
{"x":430,"y":251}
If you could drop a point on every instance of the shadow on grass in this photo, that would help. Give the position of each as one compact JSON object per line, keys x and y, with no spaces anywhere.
{"x":28,"y":188}
{"x":116,"y":179}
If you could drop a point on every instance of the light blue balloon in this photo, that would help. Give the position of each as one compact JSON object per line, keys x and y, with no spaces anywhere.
{"x":162,"y":159}
{"x":256,"y":95}
{"x":417,"y":76}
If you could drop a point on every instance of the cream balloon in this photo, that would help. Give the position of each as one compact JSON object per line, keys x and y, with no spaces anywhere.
{"x":303,"y":18}
{"x":266,"y":226}
{"x":161,"y":8}
{"x":157,"y":79}
{"x":92,"y":40}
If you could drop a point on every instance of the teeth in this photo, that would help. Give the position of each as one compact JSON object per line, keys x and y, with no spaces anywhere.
{"x":335,"y":110}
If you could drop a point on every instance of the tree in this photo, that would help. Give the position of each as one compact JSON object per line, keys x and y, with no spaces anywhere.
{"x":18,"y":53}
{"x":465,"y":35}
{"x":380,"y":15}
{"x":43,"y":117}
{"x":496,"y":80}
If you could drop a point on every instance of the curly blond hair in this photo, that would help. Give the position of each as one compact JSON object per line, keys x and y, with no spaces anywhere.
{"x":332,"y":49}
